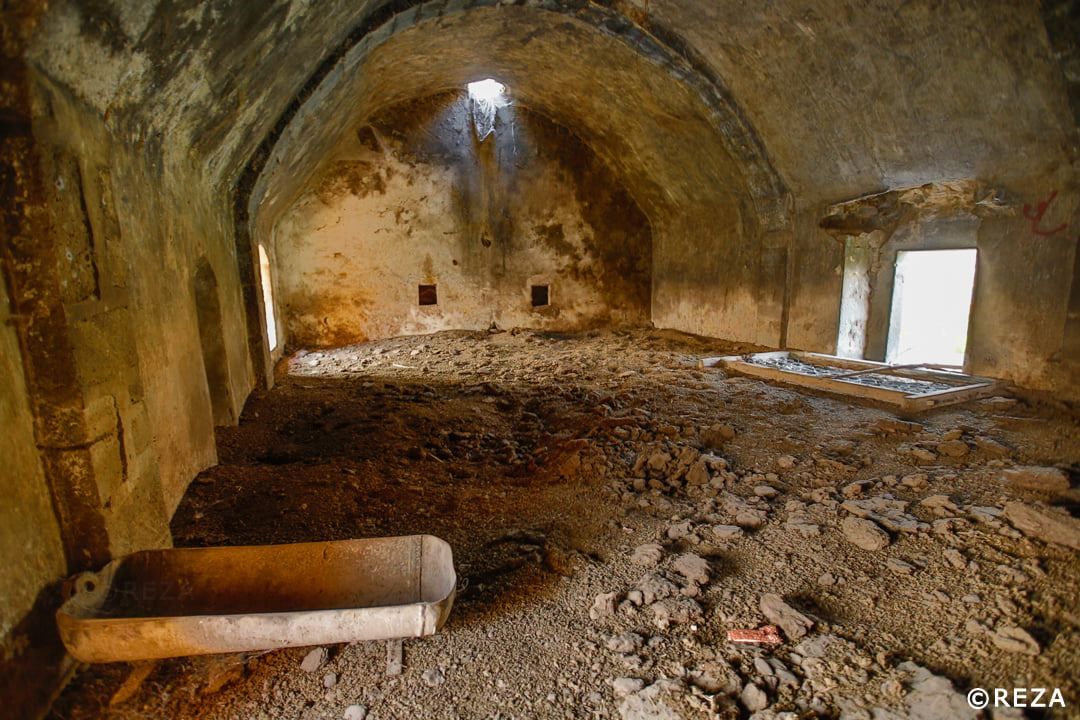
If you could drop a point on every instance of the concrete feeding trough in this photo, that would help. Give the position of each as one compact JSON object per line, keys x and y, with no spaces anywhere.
{"x":197,"y":601}
{"x":909,"y":388}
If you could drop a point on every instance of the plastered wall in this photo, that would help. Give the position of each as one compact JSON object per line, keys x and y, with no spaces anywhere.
{"x":29,"y":534}
{"x":132,"y":125}
{"x":415,"y":197}
{"x":1026,"y":241}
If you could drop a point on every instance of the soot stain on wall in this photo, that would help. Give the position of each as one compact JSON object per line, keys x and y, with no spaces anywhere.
{"x":414,"y":196}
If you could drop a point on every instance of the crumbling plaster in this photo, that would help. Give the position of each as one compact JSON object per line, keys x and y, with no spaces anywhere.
{"x":751,"y":287}
{"x":1019,"y":320}
{"x":855,"y":97}
{"x":186,"y":94}
{"x":654,"y":128}
{"x":761,"y":56}
{"x":191,"y":126}
{"x":29,"y":534}
{"x":414,"y":197}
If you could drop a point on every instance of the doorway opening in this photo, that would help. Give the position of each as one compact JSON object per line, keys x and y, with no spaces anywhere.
{"x":212,"y":340}
{"x":931,"y":306}
{"x":268,"y":299}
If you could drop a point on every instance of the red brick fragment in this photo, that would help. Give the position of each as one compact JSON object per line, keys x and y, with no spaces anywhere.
{"x":767,"y":635}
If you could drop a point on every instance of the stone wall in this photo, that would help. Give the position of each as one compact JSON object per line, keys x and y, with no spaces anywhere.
{"x":29,"y":534}
{"x":1019,"y":320}
{"x":149,"y":145}
{"x":1025,"y":274}
{"x":414,"y":197}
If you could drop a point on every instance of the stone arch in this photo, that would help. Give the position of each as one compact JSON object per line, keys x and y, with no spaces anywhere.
{"x":212,"y":343}
{"x":719,"y":159}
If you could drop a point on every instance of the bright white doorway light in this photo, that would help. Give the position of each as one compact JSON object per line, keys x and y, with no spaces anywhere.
{"x":931,"y":305}
{"x":268,"y":299}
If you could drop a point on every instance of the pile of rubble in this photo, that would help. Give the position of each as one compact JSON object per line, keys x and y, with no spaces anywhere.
{"x":638,"y":538}
{"x":795,"y":672}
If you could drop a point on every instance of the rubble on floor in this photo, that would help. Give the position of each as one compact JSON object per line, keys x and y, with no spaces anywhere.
{"x":623,"y":523}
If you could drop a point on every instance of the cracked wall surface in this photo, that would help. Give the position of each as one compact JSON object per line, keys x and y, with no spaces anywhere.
{"x":150,"y":141}
{"x":1019,"y":320}
{"x":414,"y":197}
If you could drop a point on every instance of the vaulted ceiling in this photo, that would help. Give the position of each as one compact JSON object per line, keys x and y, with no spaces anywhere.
{"x":823,"y":100}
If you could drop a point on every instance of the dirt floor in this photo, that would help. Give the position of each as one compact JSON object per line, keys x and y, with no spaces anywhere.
{"x":614,"y":511}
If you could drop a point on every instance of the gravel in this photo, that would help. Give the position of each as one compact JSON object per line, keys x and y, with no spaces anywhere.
{"x":556,"y":478}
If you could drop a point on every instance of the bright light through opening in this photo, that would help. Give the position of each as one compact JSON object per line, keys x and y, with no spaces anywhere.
{"x":486,"y":90}
{"x":268,"y":298}
{"x":931,"y":304}
{"x":485,"y":98}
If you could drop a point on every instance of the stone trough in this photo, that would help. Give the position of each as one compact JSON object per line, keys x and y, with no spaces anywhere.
{"x":197,"y":601}
{"x":909,"y":388}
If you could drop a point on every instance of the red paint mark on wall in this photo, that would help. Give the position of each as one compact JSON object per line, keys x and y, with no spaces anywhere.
{"x":1036,"y":216}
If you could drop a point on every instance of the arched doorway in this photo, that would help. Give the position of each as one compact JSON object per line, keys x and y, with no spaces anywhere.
{"x":212,"y":340}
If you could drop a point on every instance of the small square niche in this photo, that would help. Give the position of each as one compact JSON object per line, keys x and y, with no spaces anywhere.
{"x":540,"y":295}
{"x":429,"y":295}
